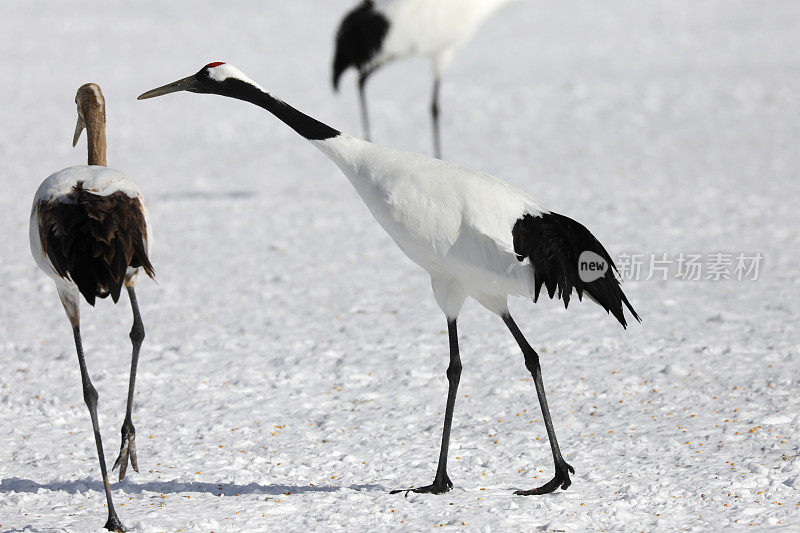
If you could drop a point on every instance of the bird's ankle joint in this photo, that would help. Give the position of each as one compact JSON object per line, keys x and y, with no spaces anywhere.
{"x":137,"y":333}
{"x":90,"y":395}
{"x":532,"y":362}
{"x":454,"y":371}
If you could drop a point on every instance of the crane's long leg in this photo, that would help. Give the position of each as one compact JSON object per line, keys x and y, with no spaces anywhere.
{"x":127,"y":448}
{"x":441,"y":483}
{"x":90,"y":397}
{"x":563,"y":470}
{"x":437,"y":144}
{"x":362,"y":80}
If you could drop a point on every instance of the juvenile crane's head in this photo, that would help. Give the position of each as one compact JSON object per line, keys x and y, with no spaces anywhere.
{"x":214,"y":78}
{"x":91,"y":110}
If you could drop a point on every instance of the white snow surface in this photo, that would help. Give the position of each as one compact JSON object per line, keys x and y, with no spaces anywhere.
{"x":294,"y":366}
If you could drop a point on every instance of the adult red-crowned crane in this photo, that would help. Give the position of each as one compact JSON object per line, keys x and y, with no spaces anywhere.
{"x":377,"y":32}
{"x":474,"y":234}
{"x":89,"y":231}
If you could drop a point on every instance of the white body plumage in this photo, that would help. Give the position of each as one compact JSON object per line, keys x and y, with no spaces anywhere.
{"x":431,"y":28}
{"x":453,"y":222}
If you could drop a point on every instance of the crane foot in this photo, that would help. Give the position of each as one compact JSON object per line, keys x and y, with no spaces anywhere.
{"x":114,"y":524}
{"x":561,"y":479}
{"x":127,"y":450}
{"x":439,"y":486}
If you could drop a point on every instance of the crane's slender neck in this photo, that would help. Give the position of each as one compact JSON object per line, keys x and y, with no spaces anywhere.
{"x":96,"y":137}
{"x":344,"y":151}
{"x":310,"y":128}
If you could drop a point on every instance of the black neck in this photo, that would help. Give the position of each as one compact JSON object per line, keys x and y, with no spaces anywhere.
{"x":310,"y":128}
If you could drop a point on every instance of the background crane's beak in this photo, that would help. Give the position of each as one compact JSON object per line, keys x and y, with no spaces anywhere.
{"x":78,"y":130}
{"x":186,"y":84}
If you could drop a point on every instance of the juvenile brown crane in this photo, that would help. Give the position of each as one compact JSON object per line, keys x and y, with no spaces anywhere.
{"x":89,"y":231}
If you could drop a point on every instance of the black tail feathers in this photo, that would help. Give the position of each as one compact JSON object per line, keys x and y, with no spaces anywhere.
{"x":358,"y":40}
{"x":94,"y":239}
{"x":554,"y":244}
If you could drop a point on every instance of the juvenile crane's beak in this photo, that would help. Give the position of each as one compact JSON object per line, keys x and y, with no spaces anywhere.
{"x":78,"y":130}
{"x":186,"y":84}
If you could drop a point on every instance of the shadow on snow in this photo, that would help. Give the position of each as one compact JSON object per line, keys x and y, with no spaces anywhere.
{"x":16,"y":484}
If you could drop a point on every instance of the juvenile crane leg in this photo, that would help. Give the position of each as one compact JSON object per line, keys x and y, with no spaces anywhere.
{"x":437,"y":144}
{"x":563,"y":470}
{"x":90,"y":397}
{"x":127,"y":448}
{"x":362,"y":80}
{"x":441,"y":483}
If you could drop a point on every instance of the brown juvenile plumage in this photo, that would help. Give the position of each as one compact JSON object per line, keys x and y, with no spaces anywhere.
{"x":93,"y":239}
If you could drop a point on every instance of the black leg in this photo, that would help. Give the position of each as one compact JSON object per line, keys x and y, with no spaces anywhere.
{"x":563,"y":470}
{"x":90,"y":397}
{"x":437,"y":146}
{"x":362,"y":80}
{"x":441,"y":483}
{"x":127,"y":448}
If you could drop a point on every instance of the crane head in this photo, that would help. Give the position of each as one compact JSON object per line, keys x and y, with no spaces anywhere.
{"x":216,"y":78}
{"x":91,"y":107}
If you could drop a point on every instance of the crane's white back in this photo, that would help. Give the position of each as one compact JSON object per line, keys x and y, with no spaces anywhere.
{"x":453,"y":222}
{"x":433,"y":28}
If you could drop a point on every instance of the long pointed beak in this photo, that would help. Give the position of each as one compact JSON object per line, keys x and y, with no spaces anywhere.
{"x":185,"y":84}
{"x":78,"y":130}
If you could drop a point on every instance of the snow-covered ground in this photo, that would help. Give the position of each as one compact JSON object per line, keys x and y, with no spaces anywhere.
{"x":293,"y":371}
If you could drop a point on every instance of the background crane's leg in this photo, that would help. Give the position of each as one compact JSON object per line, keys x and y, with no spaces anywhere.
{"x":362,"y":80}
{"x":441,"y":482}
{"x":437,"y":144}
{"x":532,"y":363}
{"x":127,"y":448}
{"x":90,"y":397}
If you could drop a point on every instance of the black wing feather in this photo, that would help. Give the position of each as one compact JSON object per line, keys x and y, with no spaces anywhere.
{"x":93,"y":239}
{"x":553,"y":243}
{"x":359,"y":39}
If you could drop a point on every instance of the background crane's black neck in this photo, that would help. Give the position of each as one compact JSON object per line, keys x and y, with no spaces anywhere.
{"x":310,"y":128}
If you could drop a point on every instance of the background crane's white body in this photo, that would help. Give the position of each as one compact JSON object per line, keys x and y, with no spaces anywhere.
{"x":431,"y":28}
{"x":377,"y":32}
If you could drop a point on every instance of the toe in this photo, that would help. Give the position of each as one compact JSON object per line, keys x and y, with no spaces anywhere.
{"x":132,"y":453}
{"x":123,"y":469}
{"x":118,"y":462}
